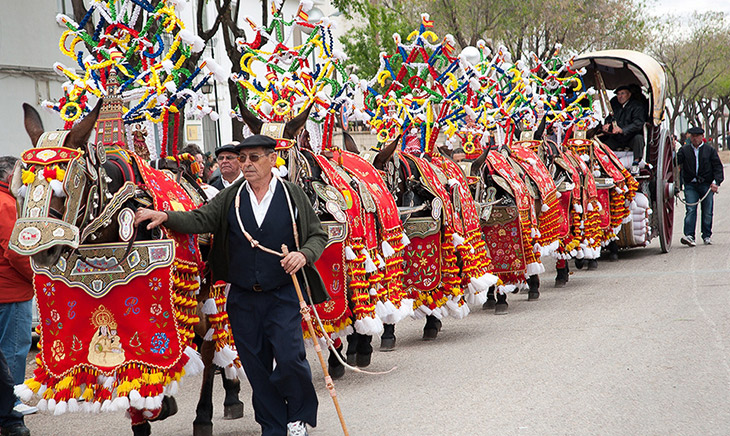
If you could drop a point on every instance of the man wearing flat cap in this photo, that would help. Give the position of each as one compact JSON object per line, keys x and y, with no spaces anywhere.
{"x":230,"y":169}
{"x":262,"y":304}
{"x":625,"y":128}
{"x":702,"y":175}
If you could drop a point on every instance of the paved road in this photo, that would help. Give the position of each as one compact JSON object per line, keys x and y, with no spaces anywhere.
{"x":638,"y":347}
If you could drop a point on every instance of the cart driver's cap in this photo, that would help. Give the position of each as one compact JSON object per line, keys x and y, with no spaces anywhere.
{"x":696,"y":131}
{"x":257,"y":141}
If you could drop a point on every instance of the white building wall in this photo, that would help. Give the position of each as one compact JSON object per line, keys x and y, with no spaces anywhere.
{"x":29,"y":38}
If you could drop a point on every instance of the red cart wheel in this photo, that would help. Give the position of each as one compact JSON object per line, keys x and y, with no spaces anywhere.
{"x":665,"y":192}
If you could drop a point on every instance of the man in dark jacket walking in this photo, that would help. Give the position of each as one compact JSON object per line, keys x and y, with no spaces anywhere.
{"x":262,"y":304}
{"x":702,"y":175}
{"x":625,"y":129}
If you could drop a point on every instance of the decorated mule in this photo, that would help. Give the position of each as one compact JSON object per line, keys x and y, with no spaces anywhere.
{"x":117,"y":304}
{"x":447,"y":263}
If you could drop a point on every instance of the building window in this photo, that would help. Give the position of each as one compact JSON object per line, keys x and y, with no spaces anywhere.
{"x":65,"y":7}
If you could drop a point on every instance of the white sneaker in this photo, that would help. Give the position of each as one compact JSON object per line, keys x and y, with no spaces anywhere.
{"x":688,"y":240}
{"x":25,"y":409}
{"x":297,"y":428}
{"x":707,"y":241}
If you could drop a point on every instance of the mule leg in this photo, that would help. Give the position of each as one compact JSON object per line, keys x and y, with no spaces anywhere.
{"x":232,"y":406}
{"x":142,"y":429}
{"x":612,"y":251}
{"x":334,"y":367}
{"x":491,"y":301}
{"x":579,"y":263}
{"x":203,"y":423}
{"x":364,"y":350}
{"x":561,"y":279}
{"x":534,"y":283}
{"x":592,"y":264}
{"x":500,"y":308}
{"x":352,"y":339}
{"x":387,"y":341}
{"x":432,"y":328}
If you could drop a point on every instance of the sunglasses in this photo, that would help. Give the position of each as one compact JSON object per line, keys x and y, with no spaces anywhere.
{"x":254,"y":157}
{"x":225,"y":158}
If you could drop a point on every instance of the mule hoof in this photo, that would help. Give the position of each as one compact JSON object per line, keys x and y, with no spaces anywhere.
{"x":235,"y":411}
{"x":559,"y":283}
{"x":579,"y":263}
{"x":387,"y":344}
{"x":144,"y":429}
{"x":351,"y":359}
{"x":489,"y":304}
{"x":362,"y":360}
{"x":430,"y":334}
{"x":336,"y":371}
{"x":169,"y":408}
{"x":532,"y":296}
{"x":203,"y":429}
{"x":501,"y":309}
{"x":592,"y":265}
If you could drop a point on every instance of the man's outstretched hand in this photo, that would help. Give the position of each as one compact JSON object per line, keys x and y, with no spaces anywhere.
{"x":155,"y":218}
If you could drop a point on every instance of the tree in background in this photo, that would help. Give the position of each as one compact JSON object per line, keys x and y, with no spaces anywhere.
{"x":523,"y":26}
{"x":693,"y":53}
{"x":380,"y":20}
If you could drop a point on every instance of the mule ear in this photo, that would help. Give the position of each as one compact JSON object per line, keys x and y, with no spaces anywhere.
{"x":33,"y":123}
{"x":478,"y":162}
{"x":80,"y":133}
{"x":540,"y":129}
{"x":350,"y":143}
{"x":386,"y":153}
{"x":296,"y":123}
{"x":251,"y":120}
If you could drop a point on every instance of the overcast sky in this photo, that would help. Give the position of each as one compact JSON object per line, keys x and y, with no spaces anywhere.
{"x":688,"y":6}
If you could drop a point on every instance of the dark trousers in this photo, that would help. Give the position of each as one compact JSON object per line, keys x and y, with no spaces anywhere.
{"x":8,"y":416}
{"x":266,"y":327}
{"x":692,"y":194}
{"x":635,"y":144}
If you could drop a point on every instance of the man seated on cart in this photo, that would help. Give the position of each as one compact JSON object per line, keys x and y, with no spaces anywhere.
{"x":624,"y":129}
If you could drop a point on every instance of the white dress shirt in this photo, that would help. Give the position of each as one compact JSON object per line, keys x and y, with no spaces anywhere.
{"x":260,"y":209}
{"x":697,"y":159}
{"x":226,"y":183}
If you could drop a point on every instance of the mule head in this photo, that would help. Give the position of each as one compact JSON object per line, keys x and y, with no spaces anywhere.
{"x":51,"y":188}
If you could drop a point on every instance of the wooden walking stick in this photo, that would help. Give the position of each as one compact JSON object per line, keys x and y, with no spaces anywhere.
{"x":304,"y":309}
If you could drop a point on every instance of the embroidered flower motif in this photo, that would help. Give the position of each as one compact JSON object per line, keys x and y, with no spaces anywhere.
{"x":57,"y":351}
{"x":54,"y":315}
{"x":156,"y":309}
{"x":49,"y":289}
{"x":155,"y":284}
{"x":159,"y":343}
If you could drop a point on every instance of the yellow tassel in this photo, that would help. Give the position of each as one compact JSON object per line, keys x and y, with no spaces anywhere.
{"x":88,"y":394}
{"x":28,"y":177}
{"x":33,"y":385}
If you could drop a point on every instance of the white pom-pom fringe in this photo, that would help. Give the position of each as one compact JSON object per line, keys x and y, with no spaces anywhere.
{"x":195,"y":364}
{"x":209,"y":307}
{"x":349,"y":253}
{"x":387,"y":249}
{"x":224,"y":357}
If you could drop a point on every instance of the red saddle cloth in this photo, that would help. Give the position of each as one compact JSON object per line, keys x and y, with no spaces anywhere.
{"x":116,"y":328}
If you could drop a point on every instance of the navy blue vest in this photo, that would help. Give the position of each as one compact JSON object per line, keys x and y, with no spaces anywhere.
{"x":248,"y":265}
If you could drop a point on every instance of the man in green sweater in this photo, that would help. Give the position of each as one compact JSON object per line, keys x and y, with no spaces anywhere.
{"x":262,"y":304}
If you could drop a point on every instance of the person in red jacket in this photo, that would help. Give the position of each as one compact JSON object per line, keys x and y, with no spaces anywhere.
{"x":16,"y":310}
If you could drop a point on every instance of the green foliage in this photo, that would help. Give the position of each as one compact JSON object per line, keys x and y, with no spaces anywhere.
{"x":364,"y":43}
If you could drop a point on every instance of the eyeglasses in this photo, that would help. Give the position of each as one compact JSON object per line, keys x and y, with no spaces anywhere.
{"x":254,"y":157}
{"x":225,"y":158}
